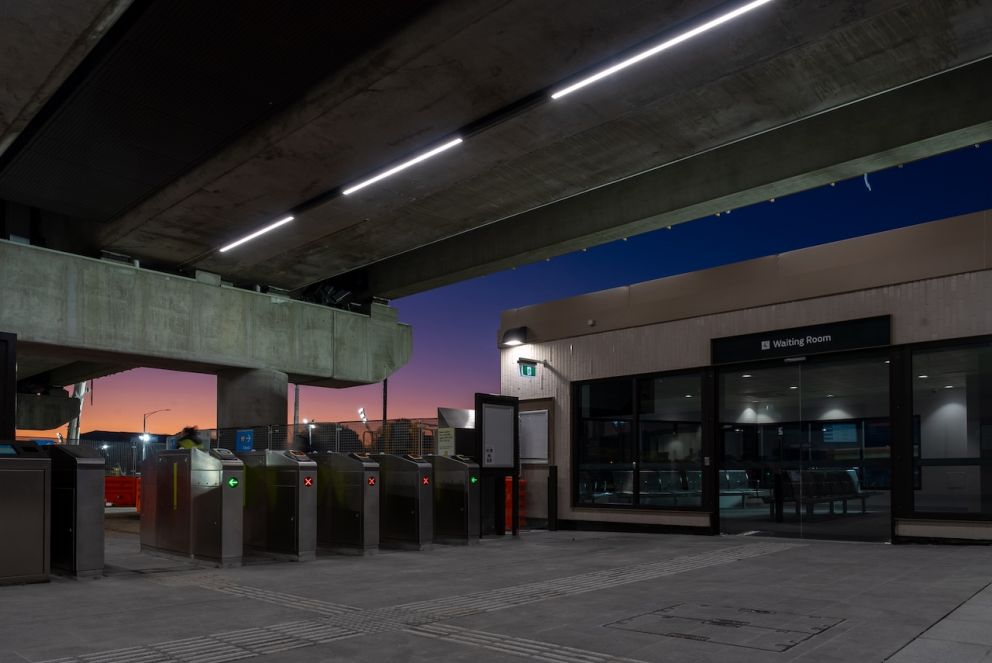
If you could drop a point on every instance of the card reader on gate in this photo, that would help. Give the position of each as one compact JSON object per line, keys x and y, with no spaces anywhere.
{"x":297,"y":455}
{"x":413,"y":456}
{"x":222,"y":453}
{"x":361,"y":456}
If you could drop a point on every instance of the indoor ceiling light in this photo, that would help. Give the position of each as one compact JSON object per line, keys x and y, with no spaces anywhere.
{"x":948,"y":386}
{"x":923,"y":377}
{"x":793,"y":387}
{"x":403,"y":166}
{"x":746,"y":375}
{"x":663,"y":46}
{"x":272,"y":226}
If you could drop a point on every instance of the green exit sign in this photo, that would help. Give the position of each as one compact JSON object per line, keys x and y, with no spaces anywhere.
{"x":528,"y":370}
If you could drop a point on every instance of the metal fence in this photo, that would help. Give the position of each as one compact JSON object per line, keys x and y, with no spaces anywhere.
{"x":123,"y":457}
{"x":397,"y":436}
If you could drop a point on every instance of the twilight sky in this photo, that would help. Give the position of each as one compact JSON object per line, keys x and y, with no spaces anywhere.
{"x":454,"y":328}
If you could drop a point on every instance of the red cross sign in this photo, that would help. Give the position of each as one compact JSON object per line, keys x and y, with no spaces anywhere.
{"x":307,"y":481}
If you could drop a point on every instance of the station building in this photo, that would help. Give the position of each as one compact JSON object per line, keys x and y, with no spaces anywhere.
{"x":840,"y":391}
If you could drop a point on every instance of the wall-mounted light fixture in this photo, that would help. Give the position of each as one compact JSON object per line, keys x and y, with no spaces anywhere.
{"x":514,"y":336}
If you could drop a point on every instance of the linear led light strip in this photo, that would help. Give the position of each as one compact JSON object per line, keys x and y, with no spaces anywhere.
{"x":403,"y":166}
{"x":360,"y":185}
{"x":248,"y":238}
{"x":663,"y":46}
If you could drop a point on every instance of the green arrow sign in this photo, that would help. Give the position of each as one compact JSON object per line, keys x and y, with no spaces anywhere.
{"x":233,"y":482}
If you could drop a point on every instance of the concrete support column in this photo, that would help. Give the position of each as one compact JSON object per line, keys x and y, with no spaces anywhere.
{"x":251,"y":397}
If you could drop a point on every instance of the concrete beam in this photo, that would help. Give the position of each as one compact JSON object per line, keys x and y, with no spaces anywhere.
{"x":66,"y":374}
{"x":111,"y":313}
{"x":46,"y":411}
{"x":934,"y":115}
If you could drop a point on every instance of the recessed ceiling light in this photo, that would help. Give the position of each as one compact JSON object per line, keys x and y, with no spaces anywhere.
{"x":663,"y":46}
{"x":888,"y":361}
{"x":793,"y":387}
{"x":248,"y":238}
{"x":403,"y":166}
{"x":923,"y":377}
{"x":688,"y":395}
{"x":830,"y":395}
{"x":745,"y":375}
{"x":948,"y":386}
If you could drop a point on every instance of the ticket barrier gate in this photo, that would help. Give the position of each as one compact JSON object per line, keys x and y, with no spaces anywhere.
{"x":406,"y":497}
{"x":456,"y":499}
{"x":191,"y":504}
{"x":347,"y":502}
{"x":25,"y":512}
{"x":280,"y":511}
{"x":77,"y":509}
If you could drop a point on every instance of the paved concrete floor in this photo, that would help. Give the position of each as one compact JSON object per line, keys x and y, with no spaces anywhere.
{"x":562,"y":596}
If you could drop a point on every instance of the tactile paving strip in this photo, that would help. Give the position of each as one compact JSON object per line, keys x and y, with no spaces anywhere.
{"x":344,"y":621}
{"x":542,"y":651}
{"x":225,"y":646}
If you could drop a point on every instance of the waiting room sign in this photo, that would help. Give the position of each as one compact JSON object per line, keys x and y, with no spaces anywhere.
{"x":802,"y":341}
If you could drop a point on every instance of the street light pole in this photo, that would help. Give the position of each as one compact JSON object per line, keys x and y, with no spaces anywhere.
{"x":144,"y":422}
{"x":144,"y":437}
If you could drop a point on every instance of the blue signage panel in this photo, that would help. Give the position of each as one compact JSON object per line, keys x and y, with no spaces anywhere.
{"x":245,"y":440}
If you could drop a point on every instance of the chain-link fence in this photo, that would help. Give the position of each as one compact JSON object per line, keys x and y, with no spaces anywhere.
{"x":397,"y":436}
{"x":123,"y":457}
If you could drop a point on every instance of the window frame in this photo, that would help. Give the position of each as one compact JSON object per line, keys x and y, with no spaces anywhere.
{"x":634,"y":383}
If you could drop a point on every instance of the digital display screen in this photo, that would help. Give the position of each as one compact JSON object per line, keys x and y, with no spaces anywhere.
{"x":7,"y":450}
{"x":840,"y":433}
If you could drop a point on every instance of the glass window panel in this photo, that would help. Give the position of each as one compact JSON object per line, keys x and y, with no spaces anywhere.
{"x":952,"y":409}
{"x":670,"y":424}
{"x":608,"y":398}
{"x":605,"y":462}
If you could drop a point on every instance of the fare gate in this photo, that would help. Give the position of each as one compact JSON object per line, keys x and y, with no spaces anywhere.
{"x":280,"y":511}
{"x":406,"y":496}
{"x":77,"y":509}
{"x":347,"y":502}
{"x":25,"y":512}
{"x":456,"y":499}
{"x":191,"y":504}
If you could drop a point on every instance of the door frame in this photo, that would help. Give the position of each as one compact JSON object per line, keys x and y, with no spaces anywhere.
{"x":898,"y":445}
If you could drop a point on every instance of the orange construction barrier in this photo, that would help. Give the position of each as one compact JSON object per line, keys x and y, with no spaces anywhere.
{"x":522,"y":491}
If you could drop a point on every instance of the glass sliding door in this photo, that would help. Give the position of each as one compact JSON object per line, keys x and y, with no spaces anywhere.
{"x":805,"y":449}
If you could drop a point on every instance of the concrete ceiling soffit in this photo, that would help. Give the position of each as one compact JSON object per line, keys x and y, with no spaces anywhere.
{"x":43,"y":42}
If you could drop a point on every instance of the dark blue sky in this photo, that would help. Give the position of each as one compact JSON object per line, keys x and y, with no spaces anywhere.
{"x":455,"y":327}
